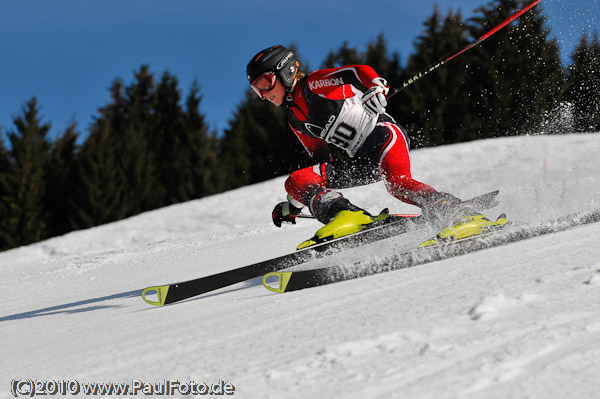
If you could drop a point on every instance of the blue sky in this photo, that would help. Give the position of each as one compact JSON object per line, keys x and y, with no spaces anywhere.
{"x":68,"y":52}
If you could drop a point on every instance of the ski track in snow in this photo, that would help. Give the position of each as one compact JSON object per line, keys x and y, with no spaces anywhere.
{"x":516,"y":321}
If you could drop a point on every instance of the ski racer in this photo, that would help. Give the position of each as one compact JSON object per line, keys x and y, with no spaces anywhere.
{"x":344,"y":107}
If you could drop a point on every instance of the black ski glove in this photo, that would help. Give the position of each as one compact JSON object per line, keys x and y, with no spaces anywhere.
{"x":285,"y":212}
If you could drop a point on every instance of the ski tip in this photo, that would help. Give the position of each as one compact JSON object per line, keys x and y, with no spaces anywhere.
{"x":502,"y":219}
{"x":155,"y":295}
{"x":309,"y":243}
{"x":276,"y":281}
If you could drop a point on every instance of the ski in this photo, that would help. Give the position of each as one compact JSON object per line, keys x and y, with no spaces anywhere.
{"x":171,"y":293}
{"x":293,"y":281}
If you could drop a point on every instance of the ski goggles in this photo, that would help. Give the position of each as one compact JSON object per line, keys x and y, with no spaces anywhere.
{"x":264,"y":83}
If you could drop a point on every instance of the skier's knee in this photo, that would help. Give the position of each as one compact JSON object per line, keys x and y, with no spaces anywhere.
{"x":303,"y":183}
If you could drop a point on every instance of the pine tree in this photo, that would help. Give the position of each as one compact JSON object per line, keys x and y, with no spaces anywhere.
{"x":184,"y":149}
{"x":344,"y":56}
{"x":166,"y":142}
{"x":5,"y":238}
{"x":235,"y":147}
{"x":23,"y":185}
{"x":60,"y":168}
{"x":584,"y":84}
{"x":516,"y":75}
{"x":98,"y":190}
{"x":117,"y":158}
{"x":144,"y":151}
{"x":538,"y":79}
{"x":98,"y":184}
{"x":133,"y":135}
{"x":205,"y":176}
{"x":436,"y":105}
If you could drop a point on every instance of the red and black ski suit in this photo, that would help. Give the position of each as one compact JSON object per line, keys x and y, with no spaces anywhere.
{"x":326,"y":107}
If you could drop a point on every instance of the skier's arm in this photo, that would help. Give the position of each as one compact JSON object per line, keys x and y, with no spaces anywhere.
{"x":360,"y":76}
{"x":355,"y":75}
{"x":317,"y":148}
{"x":374,"y":100}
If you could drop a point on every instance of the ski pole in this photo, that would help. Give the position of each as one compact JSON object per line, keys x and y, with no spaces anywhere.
{"x":467,"y":48}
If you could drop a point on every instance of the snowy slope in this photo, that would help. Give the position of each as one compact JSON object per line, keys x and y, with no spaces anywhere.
{"x":517,"y":321}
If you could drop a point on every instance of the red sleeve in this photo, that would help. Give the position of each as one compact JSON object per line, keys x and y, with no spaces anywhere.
{"x":317,"y":148}
{"x":350,"y":74}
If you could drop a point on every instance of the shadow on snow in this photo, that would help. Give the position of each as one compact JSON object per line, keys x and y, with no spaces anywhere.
{"x":72,"y":308}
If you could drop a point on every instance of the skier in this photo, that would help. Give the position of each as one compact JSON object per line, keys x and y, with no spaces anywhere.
{"x":328,"y":106}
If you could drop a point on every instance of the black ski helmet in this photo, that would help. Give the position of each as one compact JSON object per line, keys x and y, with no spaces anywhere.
{"x":277,"y":59}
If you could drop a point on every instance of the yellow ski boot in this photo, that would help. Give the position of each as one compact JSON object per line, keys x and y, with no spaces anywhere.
{"x":344,"y":223}
{"x":469,"y":226}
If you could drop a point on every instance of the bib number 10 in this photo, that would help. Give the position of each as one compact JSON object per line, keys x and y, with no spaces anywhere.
{"x":343,"y":136}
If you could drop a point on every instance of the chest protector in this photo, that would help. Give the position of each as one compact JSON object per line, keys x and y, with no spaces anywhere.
{"x":342,"y":122}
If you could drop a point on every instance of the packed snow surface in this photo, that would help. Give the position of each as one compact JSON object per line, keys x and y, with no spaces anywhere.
{"x":516,"y":321}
